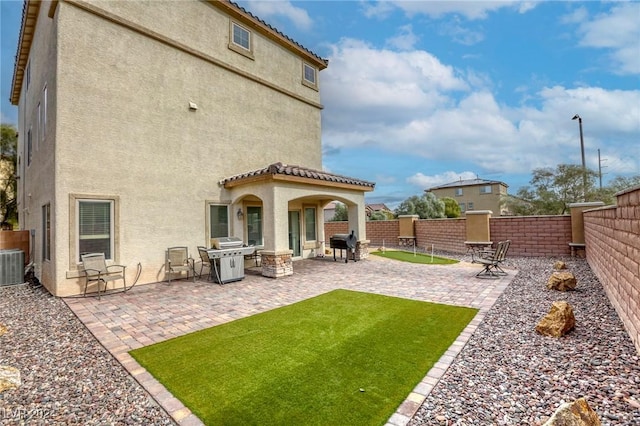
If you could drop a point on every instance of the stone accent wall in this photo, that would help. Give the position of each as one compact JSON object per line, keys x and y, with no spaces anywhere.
{"x":612,"y":237}
{"x":362,"y":250}
{"x":533,"y":235}
{"x":276,"y":265}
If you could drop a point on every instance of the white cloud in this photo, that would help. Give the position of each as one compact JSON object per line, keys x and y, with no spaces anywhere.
{"x":425,"y":182}
{"x":469,"y":9}
{"x":405,"y":40}
{"x":618,"y":31}
{"x":269,"y":9}
{"x":411,"y":103}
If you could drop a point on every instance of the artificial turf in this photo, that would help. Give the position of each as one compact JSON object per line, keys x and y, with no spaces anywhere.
{"x":340,"y":358}
{"x":412,"y":257}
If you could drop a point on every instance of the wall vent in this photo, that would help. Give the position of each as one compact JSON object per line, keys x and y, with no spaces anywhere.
{"x":11,"y":267}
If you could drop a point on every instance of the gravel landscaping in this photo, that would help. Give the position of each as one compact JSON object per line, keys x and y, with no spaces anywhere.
{"x":507,"y":374}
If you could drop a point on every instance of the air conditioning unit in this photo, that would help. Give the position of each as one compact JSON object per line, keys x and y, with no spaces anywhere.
{"x":11,"y":267}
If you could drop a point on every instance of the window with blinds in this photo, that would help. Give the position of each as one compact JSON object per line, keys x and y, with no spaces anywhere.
{"x":95,"y":227}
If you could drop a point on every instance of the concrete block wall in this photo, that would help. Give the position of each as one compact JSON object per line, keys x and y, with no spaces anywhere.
{"x":612,"y":237}
{"x":444,"y":234}
{"x":378,"y":231}
{"x":533,"y":235}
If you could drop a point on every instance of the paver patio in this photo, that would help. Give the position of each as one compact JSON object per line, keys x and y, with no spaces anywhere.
{"x":155,"y":312}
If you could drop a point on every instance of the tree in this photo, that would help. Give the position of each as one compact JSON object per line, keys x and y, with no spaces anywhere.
{"x":378,"y":216}
{"x":8,"y":182}
{"x":426,"y":206}
{"x":451,"y":207}
{"x":341,"y":213}
{"x":552,"y":190}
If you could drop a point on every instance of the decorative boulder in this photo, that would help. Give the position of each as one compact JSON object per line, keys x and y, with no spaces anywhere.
{"x":9,"y":378}
{"x":576,"y":413}
{"x":558,"y":322}
{"x":3,"y":329}
{"x":559,"y":265}
{"x":562,"y":281}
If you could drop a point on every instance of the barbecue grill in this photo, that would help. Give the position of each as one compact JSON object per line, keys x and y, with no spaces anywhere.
{"x":227,"y":259}
{"x":344,"y":242}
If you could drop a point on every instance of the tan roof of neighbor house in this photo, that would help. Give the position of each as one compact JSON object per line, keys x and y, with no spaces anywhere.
{"x":279,"y":171}
{"x":377,"y":206}
{"x":31,"y":8}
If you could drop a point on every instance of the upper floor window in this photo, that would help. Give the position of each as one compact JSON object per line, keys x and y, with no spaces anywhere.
{"x":27,"y":77}
{"x":458,"y":192}
{"x":486,"y":189}
{"x":44,"y":112}
{"x":309,"y":76}
{"x":29,"y":146}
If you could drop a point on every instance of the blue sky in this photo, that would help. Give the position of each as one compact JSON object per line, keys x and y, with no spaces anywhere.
{"x":422,"y":93}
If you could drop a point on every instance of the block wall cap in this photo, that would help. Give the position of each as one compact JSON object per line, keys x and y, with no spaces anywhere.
{"x":587,"y":204}
{"x":478,"y":212}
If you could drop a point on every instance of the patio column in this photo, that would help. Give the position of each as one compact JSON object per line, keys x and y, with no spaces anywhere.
{"x":577,"y":243}
{"x":478,"y":230}
{"x":276,"y":258}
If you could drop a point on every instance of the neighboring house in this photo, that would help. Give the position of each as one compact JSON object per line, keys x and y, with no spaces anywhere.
{"x":474,"y":194}
{"x":150,"y":124}
{"x":380,"y":207}
{"x":329,"y":211}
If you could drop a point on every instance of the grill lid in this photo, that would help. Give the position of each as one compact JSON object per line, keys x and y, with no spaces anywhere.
{"x":226,"y":242}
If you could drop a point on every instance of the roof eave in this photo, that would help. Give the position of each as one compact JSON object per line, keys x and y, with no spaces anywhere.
{"x":30,"y":13}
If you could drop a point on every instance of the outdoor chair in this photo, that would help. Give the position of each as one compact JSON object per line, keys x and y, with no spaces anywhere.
{"x":205,"y":261}
{"x":491,"y":260}
{"x":97,"y":272}
{"x":178,"y":261}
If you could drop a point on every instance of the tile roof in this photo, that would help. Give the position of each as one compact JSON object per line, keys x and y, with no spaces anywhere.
{"x":467,"y":182}
{"x":287,"y":170}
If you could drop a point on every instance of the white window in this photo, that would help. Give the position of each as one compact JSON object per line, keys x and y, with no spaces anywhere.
{"x":27,"y":77}
{"x":44,"y":111}
{"x":218,"y":221}
{"x":39,"y":122}
{"x":310,"y":223}
{"x":463,"y":207}
{"x":29,"y":146}
{"x":470,"y":206}
{"x":309,"y":75}
{"x":254,"y":225}
{"x":46,"y":232}
{"x":241,"y":36}
{"x":458,"y":192}
{"x":95,"y":227}
{"x":486,"y":189}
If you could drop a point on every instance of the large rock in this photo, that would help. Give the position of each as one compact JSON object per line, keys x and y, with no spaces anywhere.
{"x":9,"y":378}
{"x":562,"y":281}
{"x":576,"y":413}
{"x":3,"y":329}
{"x":558,"y":322}
{"x":559,"y":265}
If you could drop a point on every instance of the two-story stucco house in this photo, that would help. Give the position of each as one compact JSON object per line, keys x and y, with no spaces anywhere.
{"x":474,"y":194}
{"x":148,"y":124}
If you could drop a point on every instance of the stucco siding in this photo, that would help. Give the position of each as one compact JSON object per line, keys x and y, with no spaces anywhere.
{"x":124,"y":129}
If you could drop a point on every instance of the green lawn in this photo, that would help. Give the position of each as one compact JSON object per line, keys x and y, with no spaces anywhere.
{"x":341,"y":358}
{"x":412,"y":257}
